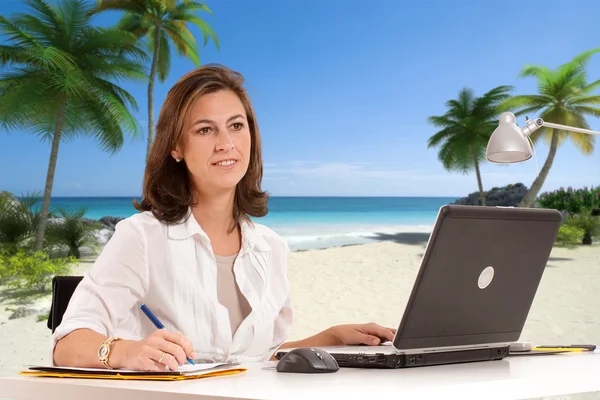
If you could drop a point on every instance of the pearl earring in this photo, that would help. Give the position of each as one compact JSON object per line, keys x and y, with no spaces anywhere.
{"x":178,"y":159}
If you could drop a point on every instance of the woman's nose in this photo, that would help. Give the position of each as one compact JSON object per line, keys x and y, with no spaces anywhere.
{"x":224,"y":142}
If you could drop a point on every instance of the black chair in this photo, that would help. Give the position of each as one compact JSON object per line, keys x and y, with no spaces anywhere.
{"x":62,"y":290}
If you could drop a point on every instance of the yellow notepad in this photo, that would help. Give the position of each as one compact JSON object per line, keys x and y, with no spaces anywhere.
{"x":184,"y":372}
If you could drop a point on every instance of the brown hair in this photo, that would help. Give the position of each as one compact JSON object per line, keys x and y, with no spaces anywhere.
{"x":167,"y":190}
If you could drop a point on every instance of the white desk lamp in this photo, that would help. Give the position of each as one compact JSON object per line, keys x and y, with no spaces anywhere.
{"x":510,"y":144}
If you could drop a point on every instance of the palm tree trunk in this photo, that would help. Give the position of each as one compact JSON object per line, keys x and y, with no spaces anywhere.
{"x":41,"y":228}
{"x":537,"y":184}
{"x":479,"y":182}
{"x":74,"y":251}
{"x":153,"y":69}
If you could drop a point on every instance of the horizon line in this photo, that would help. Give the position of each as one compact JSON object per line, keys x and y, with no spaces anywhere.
{"x":320,"y":196}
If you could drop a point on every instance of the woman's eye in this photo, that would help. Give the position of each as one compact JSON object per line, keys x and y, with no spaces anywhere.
{"x":204,"y":131}
{"x":237,"y":126}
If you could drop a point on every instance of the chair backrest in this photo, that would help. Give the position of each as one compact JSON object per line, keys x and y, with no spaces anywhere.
{"x":62,"y":290}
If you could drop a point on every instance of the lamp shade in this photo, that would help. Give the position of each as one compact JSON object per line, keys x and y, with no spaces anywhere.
{"x":508,"y":144}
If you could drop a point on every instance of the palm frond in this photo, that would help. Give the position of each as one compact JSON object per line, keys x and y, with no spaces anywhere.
{"x":15,"y":35}
{"x":530,"y":102}
{"x":112,"y":44}
{"x":164,"y":57}
{"x":108,"y":120}
{"x":136,"y":23}
{"x":19,"y":218}
{"x":184,"y":42}
{"x":532,"y":112}
{"x":187,"y":6}
{"x":586,"y":90}
{"x":583,"y":142}
{"x":35,"y":27}
{"x":43,"y":12}
{"x":442,"y":121}
{"x":73,"y":15}
{"x":488,"y":103}
{"x":72,"y":231}
{"x":584,"y":57}
{"x":537,"y":71}
{"x":206,"y":30}
{"x":594,"y":99}
{"x":465,"y":99}
{"x":445,"y":134}
{"x":455,"y":156}
{"x":586,"y":110}
{"x":133,"y":6}
{"x":120,"y":94}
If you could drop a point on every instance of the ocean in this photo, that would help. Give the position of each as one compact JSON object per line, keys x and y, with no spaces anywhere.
{"x":310,"y":222}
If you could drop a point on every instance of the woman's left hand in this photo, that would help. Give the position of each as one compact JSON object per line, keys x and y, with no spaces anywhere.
{"x":368,"y":334}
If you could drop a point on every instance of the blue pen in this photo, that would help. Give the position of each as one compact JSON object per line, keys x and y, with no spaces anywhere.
{"x":157,"y":322}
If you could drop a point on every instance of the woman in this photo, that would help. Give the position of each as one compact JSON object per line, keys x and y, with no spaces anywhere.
{"x":216,"y":280}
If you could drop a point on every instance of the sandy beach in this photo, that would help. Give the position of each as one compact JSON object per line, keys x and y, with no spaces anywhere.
{"x":363,"y":283}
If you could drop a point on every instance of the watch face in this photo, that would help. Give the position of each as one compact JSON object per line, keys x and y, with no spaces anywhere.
{"x":103,"y":351}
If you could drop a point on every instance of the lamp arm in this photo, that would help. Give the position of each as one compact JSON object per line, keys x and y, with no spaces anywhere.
{"x":534,"y":125}
{"x":570,"y":128}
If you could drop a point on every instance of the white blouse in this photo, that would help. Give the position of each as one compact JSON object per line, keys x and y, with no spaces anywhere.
{"x":173,"y":270}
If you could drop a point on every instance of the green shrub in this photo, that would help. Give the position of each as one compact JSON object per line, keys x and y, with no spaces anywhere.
{"x":5,"y":272}
{"x":72,"y":232}
{"x":589,"y":224}
{"x":585,"y":223}
{"x":569,"y":235}
{"x":19,"y":219}
{"x":23,"y":270}
{"x":572,"y":200}
{"x":6,"y":196}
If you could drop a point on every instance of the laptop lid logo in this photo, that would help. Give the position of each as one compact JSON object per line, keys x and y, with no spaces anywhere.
{"x":485,"y":278}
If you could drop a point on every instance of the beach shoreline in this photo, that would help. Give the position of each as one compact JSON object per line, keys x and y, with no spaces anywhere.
{"x":310,"y":236}
{"x":565,"y":309}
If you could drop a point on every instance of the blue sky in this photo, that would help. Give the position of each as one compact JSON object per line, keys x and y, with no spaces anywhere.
{"x":343,"y":90}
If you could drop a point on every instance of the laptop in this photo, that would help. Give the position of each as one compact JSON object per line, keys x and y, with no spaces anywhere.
{"x":478,"y":277}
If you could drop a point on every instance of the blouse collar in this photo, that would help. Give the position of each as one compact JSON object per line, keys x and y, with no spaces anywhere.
{"x":189,"y":227}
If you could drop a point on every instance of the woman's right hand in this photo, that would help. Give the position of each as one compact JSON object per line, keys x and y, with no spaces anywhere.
{"x":160,"y":349}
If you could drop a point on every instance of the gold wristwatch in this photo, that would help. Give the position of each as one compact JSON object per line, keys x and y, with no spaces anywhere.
{"x":104,"y":351}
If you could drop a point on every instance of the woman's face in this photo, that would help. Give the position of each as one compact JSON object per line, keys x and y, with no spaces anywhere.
{"x":216,"y":142}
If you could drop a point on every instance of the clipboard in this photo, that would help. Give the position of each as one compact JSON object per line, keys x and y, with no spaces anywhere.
{"x":183,"y":373}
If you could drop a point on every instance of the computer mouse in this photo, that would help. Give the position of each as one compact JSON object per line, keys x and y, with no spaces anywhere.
{"x":307,"y":360}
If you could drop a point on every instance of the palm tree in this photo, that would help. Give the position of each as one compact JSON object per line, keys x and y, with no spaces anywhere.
{"x":73,"y":231}
{"x":162,"y":22}
{"x":467,"y":127}
{"x":565,"y":97}
{"x":59,"y":82}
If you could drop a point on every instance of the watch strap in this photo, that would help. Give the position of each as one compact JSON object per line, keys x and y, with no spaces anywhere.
{"x":107,"y":343}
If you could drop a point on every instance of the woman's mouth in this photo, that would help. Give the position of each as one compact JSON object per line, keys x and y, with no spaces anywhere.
{"x":225,"y":163}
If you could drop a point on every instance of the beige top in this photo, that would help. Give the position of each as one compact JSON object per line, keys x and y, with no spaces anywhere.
{"x":228,"y":292}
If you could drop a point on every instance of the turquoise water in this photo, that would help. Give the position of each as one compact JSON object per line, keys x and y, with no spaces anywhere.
{"x":309,"y":222}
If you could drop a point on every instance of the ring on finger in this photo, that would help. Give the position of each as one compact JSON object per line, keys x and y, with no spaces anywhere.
{"x":161,"y":357}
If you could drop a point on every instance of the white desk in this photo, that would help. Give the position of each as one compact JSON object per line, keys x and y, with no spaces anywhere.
{"x":512,"y":378}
